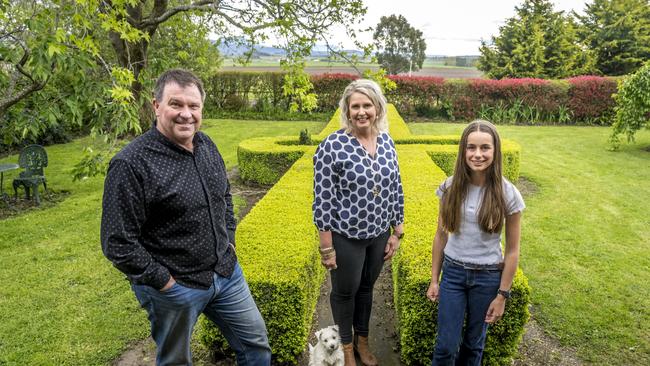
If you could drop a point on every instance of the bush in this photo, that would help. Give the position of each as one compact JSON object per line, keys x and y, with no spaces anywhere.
{"x":416,"y":94}
{"x":233,"y":90}
{"x":286,"y":286}
{"x":584,"y":99}
{"x":329,"y":88}
{"x":632,"y":106}
{"x":278,"y":252}
{"x":304,"y":138}
{"x":590,"y":99}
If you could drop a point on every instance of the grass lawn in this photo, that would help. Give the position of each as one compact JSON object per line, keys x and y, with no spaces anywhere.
{"x":62,"y":302}
{"x":585,"y":238}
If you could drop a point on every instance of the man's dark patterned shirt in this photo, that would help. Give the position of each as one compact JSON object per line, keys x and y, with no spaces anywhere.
{"x":168,"y":211}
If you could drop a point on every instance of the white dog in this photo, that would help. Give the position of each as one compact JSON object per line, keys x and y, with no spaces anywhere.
{"x":328,"y":350}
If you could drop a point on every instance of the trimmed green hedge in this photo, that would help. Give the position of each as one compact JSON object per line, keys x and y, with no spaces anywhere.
{"x":412,"y":271}
{"x":278,"y":252}
{"x":278,"y":244}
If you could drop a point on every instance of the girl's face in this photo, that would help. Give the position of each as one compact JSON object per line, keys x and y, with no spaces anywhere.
{"x":479,"y":153}
{"x":362,"y":112}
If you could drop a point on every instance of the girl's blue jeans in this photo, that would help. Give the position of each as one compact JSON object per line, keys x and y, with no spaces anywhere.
{"x":464,"y":297}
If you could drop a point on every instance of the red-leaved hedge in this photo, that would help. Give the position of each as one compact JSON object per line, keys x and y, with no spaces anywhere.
{"x":583,"y":99}
{"x":329,"y":88}
{"x":590,"y":98}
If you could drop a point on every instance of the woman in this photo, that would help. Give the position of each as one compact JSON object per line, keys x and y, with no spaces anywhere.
{"x":358,"y":198}
{"x":475,"y":204}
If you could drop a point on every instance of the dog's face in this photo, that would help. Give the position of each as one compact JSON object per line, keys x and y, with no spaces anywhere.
{"x":329,"y":338}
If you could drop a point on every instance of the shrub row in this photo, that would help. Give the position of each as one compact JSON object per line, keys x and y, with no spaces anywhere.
{"x":278,"y":253}
{"x":278,"y":245}
{"x":584,"y":99}
{"x":412,"y":266}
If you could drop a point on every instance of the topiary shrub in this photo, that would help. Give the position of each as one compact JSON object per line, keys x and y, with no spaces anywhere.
{"x":304,"y":138}
{"x":278,"y":253}
{"x":278,"y":245}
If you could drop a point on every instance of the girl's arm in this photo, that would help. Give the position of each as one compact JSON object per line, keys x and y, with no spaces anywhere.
{"x":511,"y":260}
{"x":439,"y":243}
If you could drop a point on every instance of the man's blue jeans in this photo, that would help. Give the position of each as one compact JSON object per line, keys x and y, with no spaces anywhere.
{"x":464,"y":298}
{"x":228,"y":303}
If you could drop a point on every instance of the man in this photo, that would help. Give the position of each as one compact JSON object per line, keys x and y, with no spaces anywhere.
{"x":168,"y":224}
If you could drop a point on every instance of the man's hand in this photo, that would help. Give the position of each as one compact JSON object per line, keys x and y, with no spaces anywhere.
{"x":496,"y":309}
{"x":169,"y":284}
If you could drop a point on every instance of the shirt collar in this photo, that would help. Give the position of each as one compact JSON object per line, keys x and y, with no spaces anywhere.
{"x":197,"y":140}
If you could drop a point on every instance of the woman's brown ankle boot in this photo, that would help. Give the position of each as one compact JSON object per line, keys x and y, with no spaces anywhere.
{"x":362,"y":348}
{"x":348,"y":355}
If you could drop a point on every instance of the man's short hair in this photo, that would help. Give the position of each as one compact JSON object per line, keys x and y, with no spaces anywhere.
{"x":181,"y":77}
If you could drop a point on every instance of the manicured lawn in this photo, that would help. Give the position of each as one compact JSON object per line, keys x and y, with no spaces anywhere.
{"x":62,"y":302}
{"x":585,"y":238}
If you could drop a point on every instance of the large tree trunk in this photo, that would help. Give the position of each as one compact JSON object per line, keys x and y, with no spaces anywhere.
{"x":133,"y":56}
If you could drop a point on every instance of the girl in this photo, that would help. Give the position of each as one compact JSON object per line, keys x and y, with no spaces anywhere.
{"x":476,"y":276}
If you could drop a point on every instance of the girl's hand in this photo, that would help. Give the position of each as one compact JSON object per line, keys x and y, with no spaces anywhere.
{"x":496,"y":309}
{"x":432,"y":292}
{"x":329,"y":263}
{"x":391,"y":247}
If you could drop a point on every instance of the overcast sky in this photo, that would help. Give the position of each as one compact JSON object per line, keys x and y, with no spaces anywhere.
{"x":450,"y":27}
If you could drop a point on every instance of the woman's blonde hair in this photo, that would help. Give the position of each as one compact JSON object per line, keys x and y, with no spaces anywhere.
{"x":371,"y":90}
{"x":492,"y":212}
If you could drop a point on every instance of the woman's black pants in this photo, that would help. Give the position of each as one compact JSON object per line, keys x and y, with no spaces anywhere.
{"x":359,"y":263}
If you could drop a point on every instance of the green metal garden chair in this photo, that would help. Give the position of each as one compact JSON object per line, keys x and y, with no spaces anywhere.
{"x":33,"y":159}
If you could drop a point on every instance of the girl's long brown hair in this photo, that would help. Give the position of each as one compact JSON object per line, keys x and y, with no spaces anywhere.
{"x":493,"y":207}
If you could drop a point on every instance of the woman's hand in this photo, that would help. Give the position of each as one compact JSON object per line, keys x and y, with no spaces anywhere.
{"x":329,"y":263}
{"x":432,"y":292}
{"x":496,"y":309}
{"x":391,"y":247}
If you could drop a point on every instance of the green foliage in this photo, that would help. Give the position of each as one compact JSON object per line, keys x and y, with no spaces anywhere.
{"x":400,"y":47}
{"x":281,"y":262}
{"x":304,"y":138}
{"x":618,"y":33}
{"x":537,"y":42}
{"x":264,"y":160}
{"x":260,"y":160}
{"x":379,"y":76}
{"x":114,"y":50}
{"x":585,"y":238}
{"x":298,"y":88}
{"x":632,"y":106}
{"x":62,"y":302}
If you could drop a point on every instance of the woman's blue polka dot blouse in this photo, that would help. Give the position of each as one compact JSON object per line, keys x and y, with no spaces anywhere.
{"x":356,"y":195}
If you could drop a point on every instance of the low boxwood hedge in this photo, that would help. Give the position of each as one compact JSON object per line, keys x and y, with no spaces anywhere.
{"x":278,"y":244}
{"x":412,"y":271}
{"x":277,"y":249}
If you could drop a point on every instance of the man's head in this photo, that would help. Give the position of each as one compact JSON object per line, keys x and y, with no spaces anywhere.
{"x":178,"y":104}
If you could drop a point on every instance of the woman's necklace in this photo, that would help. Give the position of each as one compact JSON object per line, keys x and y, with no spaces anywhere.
{"x":375,"y":172}
{"x":377,"y":189}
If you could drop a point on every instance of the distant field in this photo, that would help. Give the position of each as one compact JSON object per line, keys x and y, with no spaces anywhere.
{"x":441,"y":71}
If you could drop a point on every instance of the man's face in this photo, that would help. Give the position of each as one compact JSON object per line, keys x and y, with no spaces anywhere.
{"x":179,"y":113}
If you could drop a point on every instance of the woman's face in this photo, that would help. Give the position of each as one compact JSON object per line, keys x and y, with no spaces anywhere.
{"x":362,"y":113}
{"x":479,"y":153}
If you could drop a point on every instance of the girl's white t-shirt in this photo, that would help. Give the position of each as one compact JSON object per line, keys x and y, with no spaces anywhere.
{"x":470,"y":244}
